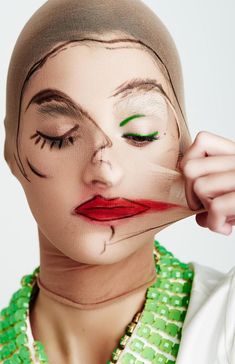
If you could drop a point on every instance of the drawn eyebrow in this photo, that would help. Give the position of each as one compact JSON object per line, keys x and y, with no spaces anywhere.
{"x":137,"y":85}
{"x":64,"y":104}
{"x":68,"y":107}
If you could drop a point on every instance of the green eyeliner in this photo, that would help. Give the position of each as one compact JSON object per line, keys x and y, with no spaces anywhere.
{"x":142,"y":135}
{"x":125,"y":121}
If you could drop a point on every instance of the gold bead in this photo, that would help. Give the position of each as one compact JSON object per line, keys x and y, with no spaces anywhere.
{"x":117,"y":354}
{"x":156,"y":254}
{"x":124,"y":341}
{"x":130,"y":328}
{"x":137,"y":317}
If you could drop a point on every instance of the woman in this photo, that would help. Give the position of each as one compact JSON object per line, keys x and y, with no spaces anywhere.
{"x":96,"y":134}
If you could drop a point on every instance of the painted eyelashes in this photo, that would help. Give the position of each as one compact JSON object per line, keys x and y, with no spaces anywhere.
{"x":57,"y":141}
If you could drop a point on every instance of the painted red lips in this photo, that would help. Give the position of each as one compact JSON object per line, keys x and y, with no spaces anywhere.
{"x":103,"y":209}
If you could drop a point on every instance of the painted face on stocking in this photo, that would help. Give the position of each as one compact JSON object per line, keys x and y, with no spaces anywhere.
{"x":98,"y":139}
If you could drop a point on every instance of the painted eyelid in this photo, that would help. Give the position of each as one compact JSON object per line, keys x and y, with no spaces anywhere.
{"x":59,"y":137}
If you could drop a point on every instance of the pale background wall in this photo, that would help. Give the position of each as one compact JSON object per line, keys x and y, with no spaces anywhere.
{"x":204,"y":32}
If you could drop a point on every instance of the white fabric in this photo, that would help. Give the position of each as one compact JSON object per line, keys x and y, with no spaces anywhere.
{"x":208,"y":334}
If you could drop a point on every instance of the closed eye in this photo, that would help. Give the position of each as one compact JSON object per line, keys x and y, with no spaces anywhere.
{"x":58,"y":141}
{"x":141,"y":140}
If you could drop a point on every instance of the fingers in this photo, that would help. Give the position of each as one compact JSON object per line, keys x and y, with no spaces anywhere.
{"x":210,"y":186}
{"x":209,"y":153}
{"x":206,"y":144}
{"x":194,"y":168}
{"x":216,"y":218}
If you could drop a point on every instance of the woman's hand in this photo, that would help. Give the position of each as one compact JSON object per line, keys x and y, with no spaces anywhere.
{"x":209,"y":170}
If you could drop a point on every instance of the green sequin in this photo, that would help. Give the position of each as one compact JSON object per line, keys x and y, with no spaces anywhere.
{"x":172,"y":329}
{"x":40,"y":352}
{"x":147,"y":318}
{"x":148,"y":353}
{"x":159,"y":324}
{"x":155,"y":339}
{"x":160,"y":359}
{"x":144,"y":331}
{"x":137,"y":345}
{"x":163,"y":310}
{"x":128,"y":359}
{"x":166,"y":345}
{"x":175,"y":315}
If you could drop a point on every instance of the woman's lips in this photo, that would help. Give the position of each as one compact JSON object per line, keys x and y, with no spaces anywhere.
{"x":103,"y":209}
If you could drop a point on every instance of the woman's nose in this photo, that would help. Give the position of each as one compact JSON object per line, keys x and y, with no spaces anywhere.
{"x":102,"y":170}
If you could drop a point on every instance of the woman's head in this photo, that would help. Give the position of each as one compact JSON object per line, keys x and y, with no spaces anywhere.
{"x":59,"y":21}
{"x":118,"y":106}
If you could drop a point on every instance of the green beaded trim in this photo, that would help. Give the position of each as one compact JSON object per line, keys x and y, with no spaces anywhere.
{"x":152,"y":337}
{"x":155,"y":337}
{"x":14,"y":344}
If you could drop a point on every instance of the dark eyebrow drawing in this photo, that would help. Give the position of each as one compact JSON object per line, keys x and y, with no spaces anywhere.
{"x":64,"y":104}
{"x":71,"y":108}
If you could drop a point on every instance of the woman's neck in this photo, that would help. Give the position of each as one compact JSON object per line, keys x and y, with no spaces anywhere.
{"x":69,"y":333}
{"x":90,"y":286}
{"x":81,"y":306}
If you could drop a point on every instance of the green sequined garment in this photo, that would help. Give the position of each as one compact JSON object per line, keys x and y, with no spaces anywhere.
{"x":156,"y":337}
{"x":153,"y":339}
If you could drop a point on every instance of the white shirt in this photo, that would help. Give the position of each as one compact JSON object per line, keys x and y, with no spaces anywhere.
{"x":208,"y":333}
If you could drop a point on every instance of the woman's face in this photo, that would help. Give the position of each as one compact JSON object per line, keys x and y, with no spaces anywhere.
{"x":120,"y":141}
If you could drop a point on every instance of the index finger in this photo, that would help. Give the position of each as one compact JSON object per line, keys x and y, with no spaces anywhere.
{"x":206,"y":144}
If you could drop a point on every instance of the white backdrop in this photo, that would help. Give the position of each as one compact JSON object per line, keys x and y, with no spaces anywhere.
{"x":204,"y":33}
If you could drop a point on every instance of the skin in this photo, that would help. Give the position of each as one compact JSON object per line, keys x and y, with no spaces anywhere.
{"x":208,"y":167}
{"x":71,"y":338}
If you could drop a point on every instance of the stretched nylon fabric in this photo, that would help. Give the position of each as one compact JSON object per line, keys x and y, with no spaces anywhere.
{"x":60,"y":21}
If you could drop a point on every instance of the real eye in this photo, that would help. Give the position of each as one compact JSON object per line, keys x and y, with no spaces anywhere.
{"x":55,"y":141}
{"x":141,"y":140}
